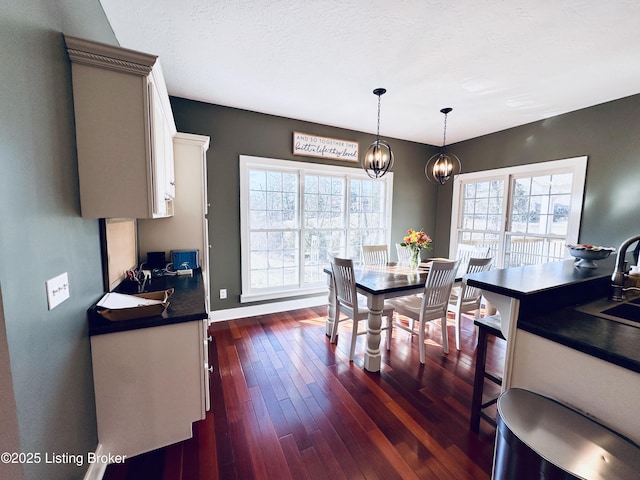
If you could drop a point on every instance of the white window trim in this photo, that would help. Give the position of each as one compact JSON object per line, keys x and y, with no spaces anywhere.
{"x":578,"y":165}
{"x":247,"y":162}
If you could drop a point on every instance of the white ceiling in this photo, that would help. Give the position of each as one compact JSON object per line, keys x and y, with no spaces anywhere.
{"x":498,"y":63}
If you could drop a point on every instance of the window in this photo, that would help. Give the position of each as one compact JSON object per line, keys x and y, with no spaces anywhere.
{"x":525,"y":215}
{"x":295,"y":216}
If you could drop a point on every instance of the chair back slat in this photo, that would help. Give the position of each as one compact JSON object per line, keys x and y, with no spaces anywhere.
{"x":466,"y":252}
{"x":404,"y":253}
{"x":475,"y":265}
{"x":437,"y":288}
{"x":344,"y":282}
{"x":375,"y":254}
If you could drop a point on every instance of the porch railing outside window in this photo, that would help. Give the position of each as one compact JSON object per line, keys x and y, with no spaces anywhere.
{"x":525,"y":215}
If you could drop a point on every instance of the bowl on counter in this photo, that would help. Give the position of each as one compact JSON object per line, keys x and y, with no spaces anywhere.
{"x":585,"y":254}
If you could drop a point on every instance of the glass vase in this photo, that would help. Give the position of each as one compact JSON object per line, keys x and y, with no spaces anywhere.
{"x":414,"y":260}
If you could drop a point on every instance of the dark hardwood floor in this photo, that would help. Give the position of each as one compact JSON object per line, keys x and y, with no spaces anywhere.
{"x":286,"y":404}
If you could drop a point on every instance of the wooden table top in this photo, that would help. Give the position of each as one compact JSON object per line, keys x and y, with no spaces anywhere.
{"x":392,"y":277}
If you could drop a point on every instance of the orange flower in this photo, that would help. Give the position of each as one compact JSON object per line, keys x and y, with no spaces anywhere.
{"x":416,"y":240}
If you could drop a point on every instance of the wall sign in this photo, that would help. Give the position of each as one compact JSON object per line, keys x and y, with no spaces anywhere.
{"x":324,"y":147}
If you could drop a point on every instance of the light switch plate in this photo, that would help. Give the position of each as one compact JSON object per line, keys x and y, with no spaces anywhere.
{"x":57,"y":290}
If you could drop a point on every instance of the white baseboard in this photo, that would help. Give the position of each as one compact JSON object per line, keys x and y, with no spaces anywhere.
{"x":96,"y":470}
{"x":264,"y":308}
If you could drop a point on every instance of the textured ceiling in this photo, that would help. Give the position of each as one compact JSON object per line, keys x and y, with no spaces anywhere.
{"x":498,"y":63}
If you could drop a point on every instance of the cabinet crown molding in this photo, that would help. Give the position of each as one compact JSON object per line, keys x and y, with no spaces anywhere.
{"x":109,"y":56}
{"x":192,"y":139}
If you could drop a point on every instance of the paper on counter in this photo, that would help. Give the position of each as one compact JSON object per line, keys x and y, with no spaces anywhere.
{"x":115,"y":301}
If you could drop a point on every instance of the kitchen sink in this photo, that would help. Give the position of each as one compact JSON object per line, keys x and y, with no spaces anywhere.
{"x":627,"y":312}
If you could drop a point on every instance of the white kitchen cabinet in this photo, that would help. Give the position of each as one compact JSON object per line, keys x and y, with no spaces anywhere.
{"x":150,"y":384}
{"x":124,"y":132}
{"x":187,"y":228}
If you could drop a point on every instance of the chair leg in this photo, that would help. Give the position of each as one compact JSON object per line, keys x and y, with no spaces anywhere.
{"x":421,"y":337}
{"x":389,"y":331}
{"x":476,"y":328}
{"x":445,"y":334}
{"x":354,"y":338}
{"x":336,"y":321}
{"x":457,"y":327}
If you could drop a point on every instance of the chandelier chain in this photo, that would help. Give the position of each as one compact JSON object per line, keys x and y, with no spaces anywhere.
{"x":444,"y":135}
{"x":378,"y":130}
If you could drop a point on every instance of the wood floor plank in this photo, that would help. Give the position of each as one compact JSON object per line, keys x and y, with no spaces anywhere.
{"x":274,"y":458}
{"x":313,"y":464}
{"x":288,"y":404}
{"x":387,"y":449}
{"x":234,"y":388}
{"x":253,"y":452}
{"x":205,"y":443}
{"x":330,"y":466}
{"x":272,"y":402}
{"x":339,"y":452}
{"x":294,"y":458}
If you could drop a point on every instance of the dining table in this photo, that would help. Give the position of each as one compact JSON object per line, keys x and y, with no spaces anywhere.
{"x":377,"y":283}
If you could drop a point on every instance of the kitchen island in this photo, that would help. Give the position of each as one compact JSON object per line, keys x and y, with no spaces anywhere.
{"x":556,"y":349}
{"x":150,"y":374}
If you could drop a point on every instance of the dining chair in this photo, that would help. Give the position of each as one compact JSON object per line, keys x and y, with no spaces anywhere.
{"x":352,"y":304}
{"x":467,"y":298}
{"x":432,"y":305}
{"x":404,"y":254}
{"x":466,"y":251}
{"x":375,"y":254}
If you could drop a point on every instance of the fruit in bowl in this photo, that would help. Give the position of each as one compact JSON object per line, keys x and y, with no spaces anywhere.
{"x":585,"y":254}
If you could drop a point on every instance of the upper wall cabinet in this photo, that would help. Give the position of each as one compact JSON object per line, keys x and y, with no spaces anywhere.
{"x":124,"y":132}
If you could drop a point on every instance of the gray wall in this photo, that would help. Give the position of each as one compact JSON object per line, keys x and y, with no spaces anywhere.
{"x":236,"y":132}
{"x":606,"y":133}
{"x":47,"y":389}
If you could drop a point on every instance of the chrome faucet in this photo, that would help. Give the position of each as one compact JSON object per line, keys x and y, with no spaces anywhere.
{"x":618,"y":277}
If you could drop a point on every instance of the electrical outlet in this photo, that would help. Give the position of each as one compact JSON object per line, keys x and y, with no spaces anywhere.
{"x":223,"y":293}
{"x":57,"y":290}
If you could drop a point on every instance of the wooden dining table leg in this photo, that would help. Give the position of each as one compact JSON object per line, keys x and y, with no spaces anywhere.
{"x":372,"y":355}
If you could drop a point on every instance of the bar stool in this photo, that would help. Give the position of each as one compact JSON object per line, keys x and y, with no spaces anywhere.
{"x":489,"y":325}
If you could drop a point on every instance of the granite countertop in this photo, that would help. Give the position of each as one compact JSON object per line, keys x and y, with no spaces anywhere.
{"x":520,"y":282}
{"x":548,"y":286}
{"x":549,"y":294}
{"x":187,"y":304}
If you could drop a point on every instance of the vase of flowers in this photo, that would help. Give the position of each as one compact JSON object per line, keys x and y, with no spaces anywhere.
{"x":415,"y":241}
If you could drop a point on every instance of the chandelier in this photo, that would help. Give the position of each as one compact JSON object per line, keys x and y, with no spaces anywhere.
{"x":378,"y":159}
{"x":442,"y":166}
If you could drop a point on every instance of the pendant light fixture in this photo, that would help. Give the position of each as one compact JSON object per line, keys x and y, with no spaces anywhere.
{"x":442,"y":166}
{"x":378,"y":159}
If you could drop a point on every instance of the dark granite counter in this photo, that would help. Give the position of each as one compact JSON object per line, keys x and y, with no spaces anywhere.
{"x":187,"y":304}
{"x":547,"y":286}
{"x":549,"y":294}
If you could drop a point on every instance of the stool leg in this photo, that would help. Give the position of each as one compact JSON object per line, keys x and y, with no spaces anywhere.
{"x":478,"y":380}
